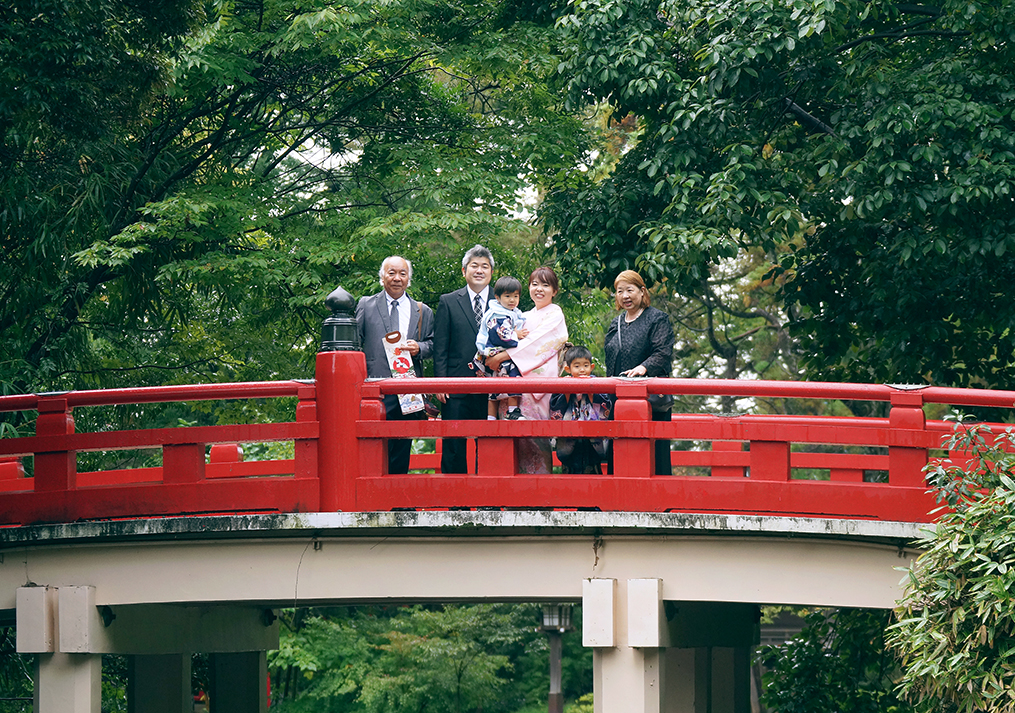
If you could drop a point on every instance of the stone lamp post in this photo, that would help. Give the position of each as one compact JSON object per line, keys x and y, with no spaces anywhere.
{"x":556,"y":620}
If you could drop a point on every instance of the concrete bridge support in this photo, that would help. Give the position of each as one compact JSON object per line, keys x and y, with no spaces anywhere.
{"x":159,"y":683}
{"x":69,"y":633}
{"x":656,"y":656}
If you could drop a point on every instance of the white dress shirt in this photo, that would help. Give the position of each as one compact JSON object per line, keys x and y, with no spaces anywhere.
{"x":403,"y":313}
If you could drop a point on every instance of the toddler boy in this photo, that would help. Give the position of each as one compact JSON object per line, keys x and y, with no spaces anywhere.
{"x":500,"y":328}
{"x":581,"y":455}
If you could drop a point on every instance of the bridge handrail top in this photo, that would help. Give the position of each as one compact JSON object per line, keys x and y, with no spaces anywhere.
{"x":743,"y":388}
{"x":654,"y":385}
{"x":158,"y":394}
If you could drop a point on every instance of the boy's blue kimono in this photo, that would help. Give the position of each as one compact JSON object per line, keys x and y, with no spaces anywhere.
{"x":497,"y":332}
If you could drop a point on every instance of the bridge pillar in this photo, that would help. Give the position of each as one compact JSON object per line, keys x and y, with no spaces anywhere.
{"x":624,"y":625}
{"x":677,"y":657}
{"x":239,"y":682}
{"x":68,"y":678}
{"x":159,"y":683}
{"x":68,"y":683}
{"x":708,"y":667}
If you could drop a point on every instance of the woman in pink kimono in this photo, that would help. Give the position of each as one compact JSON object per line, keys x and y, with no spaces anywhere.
{"x":536,"y":355}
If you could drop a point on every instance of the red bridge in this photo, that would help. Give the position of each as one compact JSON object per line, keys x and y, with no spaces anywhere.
{"x":157,"y":563}
{"x":748,"y":464}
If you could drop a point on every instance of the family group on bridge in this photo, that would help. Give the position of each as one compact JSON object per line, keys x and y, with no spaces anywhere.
{"x":639,"y":343}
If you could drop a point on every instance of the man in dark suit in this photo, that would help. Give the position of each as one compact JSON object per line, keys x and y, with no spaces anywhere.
{"x":392,"y":310}
{"x":458,"y":315}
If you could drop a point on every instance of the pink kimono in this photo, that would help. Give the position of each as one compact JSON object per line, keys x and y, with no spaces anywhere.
{"x":536,"y":355}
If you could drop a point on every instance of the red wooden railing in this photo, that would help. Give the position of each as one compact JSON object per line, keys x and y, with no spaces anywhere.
{"x":751,"y":463}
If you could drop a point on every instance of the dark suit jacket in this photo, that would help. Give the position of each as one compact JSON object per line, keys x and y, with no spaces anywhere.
{"x":454,"y":340}
{"x":373,"y":320}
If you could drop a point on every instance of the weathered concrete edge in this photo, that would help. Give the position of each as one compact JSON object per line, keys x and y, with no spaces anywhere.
{"x":463,"y":523}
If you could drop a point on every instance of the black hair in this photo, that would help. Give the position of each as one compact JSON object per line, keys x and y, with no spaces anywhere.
{"x":577,"y":352}
{"x":506,"y":285}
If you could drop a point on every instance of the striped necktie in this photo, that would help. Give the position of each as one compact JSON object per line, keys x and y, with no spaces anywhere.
{"x":477,"y":307}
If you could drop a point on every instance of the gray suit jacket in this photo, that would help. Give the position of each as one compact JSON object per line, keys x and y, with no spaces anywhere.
{"x":373,"y":320}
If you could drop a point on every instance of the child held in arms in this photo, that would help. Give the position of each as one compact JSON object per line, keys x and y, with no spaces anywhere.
{"x":500,"y":328}
{"x":581,"y":455}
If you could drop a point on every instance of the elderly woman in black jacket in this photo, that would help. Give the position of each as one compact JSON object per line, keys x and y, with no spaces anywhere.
{"x":639,"y":342}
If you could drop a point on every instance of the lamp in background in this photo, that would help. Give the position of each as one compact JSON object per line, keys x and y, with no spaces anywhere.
{"x":556,"y":620}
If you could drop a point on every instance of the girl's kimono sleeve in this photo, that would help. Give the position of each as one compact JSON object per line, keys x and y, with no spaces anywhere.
{"x":547,"y":333}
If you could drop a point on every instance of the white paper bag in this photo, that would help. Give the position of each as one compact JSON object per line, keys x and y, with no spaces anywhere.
{"x":400,"y":362}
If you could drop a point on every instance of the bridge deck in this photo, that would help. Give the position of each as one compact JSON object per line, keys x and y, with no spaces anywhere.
{"x":341,"y":558}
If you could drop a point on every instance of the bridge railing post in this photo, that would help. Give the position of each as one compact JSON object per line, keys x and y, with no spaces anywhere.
{"x":56,"y":470}
{"x":339,"y":377}
{"x":183,"y":463}
{"x":905,"y":463}
{"x":373,"y":452}
{"x":633,"y":456}
{"x":305,"y":450}
{"x":770,"y":460}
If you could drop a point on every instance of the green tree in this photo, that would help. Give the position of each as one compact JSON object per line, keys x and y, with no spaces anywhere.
{"x":956,"y":623}
{"x":450,"y":658}
{"x":269,"y":151}
{"x":866,"y":149}
{"x":15,"y":674}
{"x":838,"y":663}
{"x":439,"y":660}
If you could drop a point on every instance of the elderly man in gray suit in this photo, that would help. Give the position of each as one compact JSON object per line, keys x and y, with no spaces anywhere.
{"x":392,"y":310}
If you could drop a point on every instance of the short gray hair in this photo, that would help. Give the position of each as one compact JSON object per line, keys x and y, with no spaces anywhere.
{"x":380,"y":272}
{"x":477,"y":251}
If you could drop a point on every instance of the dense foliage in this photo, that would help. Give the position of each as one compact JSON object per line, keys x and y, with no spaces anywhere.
{"x":956,"y":628}
{"x":838,"y":663}
{"x":864,"y":148}
{"x":407,"y":659}
{"x":233,"y":172}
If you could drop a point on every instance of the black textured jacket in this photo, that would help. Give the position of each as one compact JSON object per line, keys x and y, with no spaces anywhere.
{"x":648,"y":340}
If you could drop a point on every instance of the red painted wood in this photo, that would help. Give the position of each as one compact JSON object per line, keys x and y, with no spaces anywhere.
{"x":905,"y":461}
{"x":123,"y":476}
{"x":183,"y":463}
{"x":651,"y":494}
{"x":721,"y":463}
{"x":11,"y":468}
{"x":632,"y":457}
{"x":497,"y":456}
{"x":124,"y":440}
{"x":225,"y":453}
{"x":704,"y":428}
{"x":769,"y":460}
{"x":373,"y":452}
{"x":340,"y":453}
{"x":305,"y":449}
{"x":846,"y":475}
{"x":340,"y":377}
{"x":219,"y":496}
{"x":55,"y":466}
{"x":16,"y":485}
